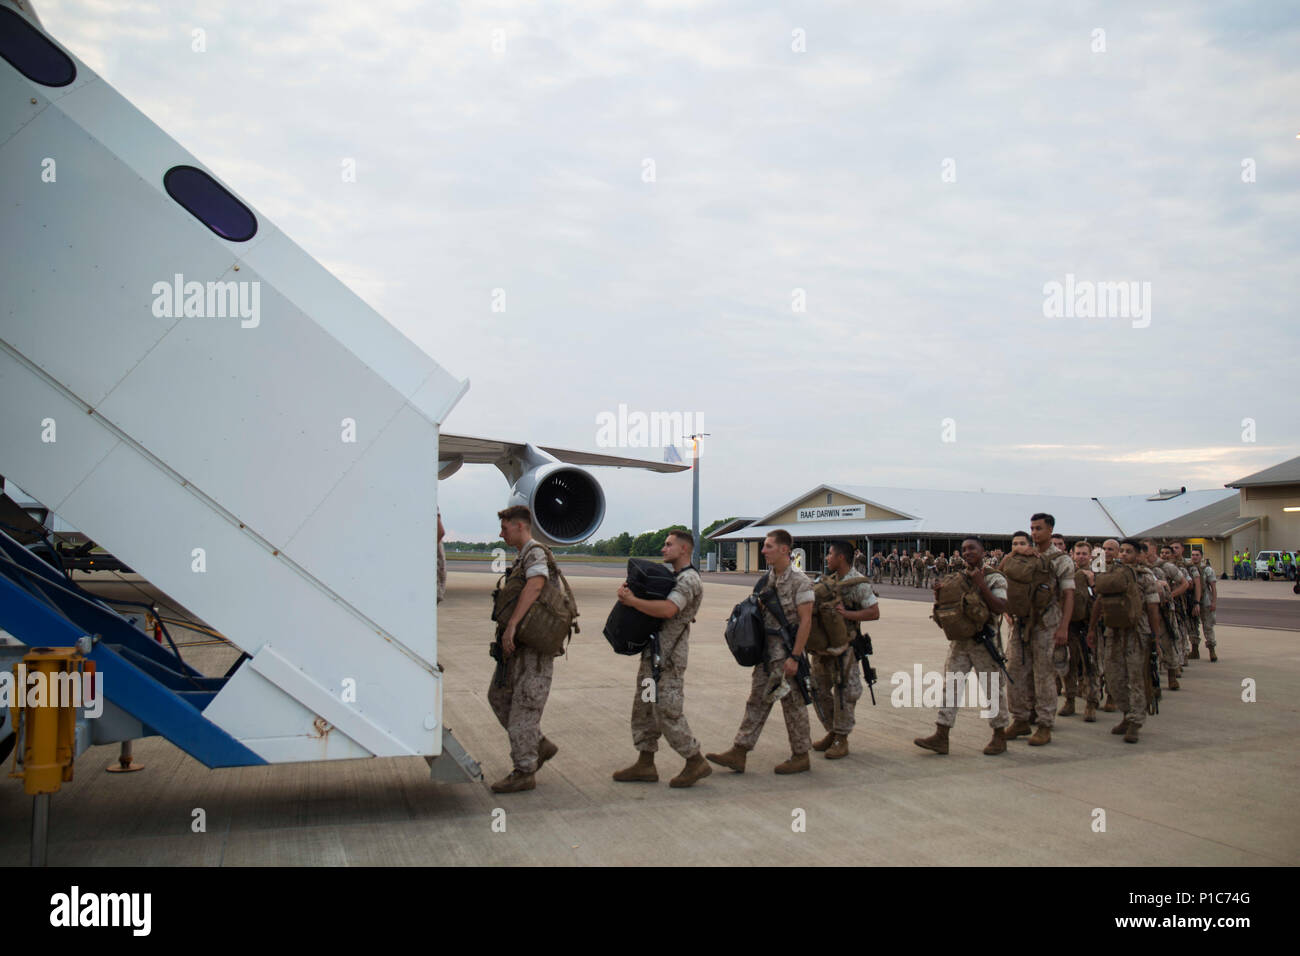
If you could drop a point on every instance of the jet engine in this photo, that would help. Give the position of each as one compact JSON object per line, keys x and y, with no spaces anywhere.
{"x":568,"y":504}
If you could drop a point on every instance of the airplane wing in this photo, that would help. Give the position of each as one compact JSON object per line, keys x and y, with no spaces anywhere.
{"x":463,"y":449}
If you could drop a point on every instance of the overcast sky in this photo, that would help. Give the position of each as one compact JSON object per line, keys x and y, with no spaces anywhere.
{"x":920,"y":170}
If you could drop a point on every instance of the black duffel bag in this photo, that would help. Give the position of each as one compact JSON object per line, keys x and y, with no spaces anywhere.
{"x":628,"y":630}
{"x":746,"y":632}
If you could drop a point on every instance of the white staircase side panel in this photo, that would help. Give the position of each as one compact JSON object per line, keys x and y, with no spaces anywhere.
{"x":254,"y":416}
{"x":395,"y":479}
{"x":80,"y":443}
{"x":82,"y":254}
{"x":210,"y":435}
{"x":278,"y":727}
{"x":253,"y":596}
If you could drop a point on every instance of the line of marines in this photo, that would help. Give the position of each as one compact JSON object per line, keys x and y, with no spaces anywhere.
{"x":1062,"y":645}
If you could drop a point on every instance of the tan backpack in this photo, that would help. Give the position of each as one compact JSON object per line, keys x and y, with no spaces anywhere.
{"x":550,"y":621}
{"x":1082,"y":599}
{"x":1120,"y":595}
{"x":829,"y":630}
{"x":1031,"y":585}
{"x":958,"y":607}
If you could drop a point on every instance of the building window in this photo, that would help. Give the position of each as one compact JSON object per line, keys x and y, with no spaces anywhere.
{"x":31,"y":53}
{"x":828,"y":497}
{"x":210,"y":203}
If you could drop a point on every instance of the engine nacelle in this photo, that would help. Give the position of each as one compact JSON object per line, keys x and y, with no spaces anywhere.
{"x":568,"y":504}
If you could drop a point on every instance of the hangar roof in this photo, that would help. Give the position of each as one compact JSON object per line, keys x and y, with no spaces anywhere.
{"x":926,"y":511}
{"x":1286,"y":473}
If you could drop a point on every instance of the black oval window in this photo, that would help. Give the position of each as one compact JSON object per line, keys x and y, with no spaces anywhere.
{"x":210,"y":203}
{"x":30,"y":52}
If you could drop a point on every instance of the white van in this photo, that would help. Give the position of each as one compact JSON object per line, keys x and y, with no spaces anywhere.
{"x":1279,"y":568}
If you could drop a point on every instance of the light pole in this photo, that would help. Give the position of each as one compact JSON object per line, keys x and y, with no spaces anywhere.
{"x":695,"y":494}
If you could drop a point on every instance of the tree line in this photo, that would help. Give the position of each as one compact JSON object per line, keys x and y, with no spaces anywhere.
{"x":625,"y":545}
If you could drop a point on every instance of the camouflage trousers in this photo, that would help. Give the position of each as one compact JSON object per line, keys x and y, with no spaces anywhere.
{"x":837,"y":682}
{"x":1167,"y":643}
{"x":1194,"y":624}
{"x":965,"y":655}
{"x":1074,"y":676}
{"x":1207,"y":625}
{"x":660,"y":710}
{"x":1127,"y":658}
{"x":518,"y":705}
{"x":1031,"y":661}
{"x":757,"y":709}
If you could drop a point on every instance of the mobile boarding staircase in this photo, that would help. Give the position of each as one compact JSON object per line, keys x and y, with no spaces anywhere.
{"x":190,"y":389}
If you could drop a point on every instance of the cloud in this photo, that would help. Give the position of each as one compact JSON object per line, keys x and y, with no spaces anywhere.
{"x":522,"y":169}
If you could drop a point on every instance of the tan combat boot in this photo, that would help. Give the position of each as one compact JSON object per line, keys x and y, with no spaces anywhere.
{"x":1018,"y":728}
{"x":798,"y":763}
{"x":697,"y":768}
{"x":1068,"y":709}
{"x":643,"y":770}
{"x":1043,"y":735}
{"x":1109,"y":707}
{"x":838,"y":748}
{"x":821,"y":745}
{"x":545,"y":751}
{"x":1173,"y":681}
{"x":998,"y":745}
{"x":1213,"y":656}
{"x":1131,"y":735}
{"x":516,"y":781}
{"x":733,"y":759}
{"x":1121,"y":727}
{"x":937,"y":741}
{"x":1195,"y":655}
{"x":1090,"y":712}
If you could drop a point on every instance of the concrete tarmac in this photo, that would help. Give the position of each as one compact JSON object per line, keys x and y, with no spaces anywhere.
{"x":1211,"y":782}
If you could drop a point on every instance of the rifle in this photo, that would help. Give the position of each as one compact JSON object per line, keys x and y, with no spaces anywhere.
{"x":803,"y":676}
{"x":498,"y":675}
{"x":1153,"y":679}
{"x":861,"y":651}
{"x":1086,"y":654}
{"x":985,"y":639}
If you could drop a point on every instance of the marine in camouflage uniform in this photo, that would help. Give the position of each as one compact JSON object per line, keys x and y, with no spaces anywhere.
{"x":1209,"y":604}
{"x":1184,"y":602}
{"x":918,"y":570}
{"x":1034,"y":653}
{"x":1128,"y":650}
{"x":1170,"y":638}
{"x":1111,"y":549}
{"x":793,"y":589}
{"x":837,"y":679}
{"x":892,"y":563}
{"x":442,"y":562}
{"x":659,"y":710}
{"x":1192,"y":602}
{"x":1075,"y":679}
{"x":967,"y":654}
{"x":519,"y":703}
